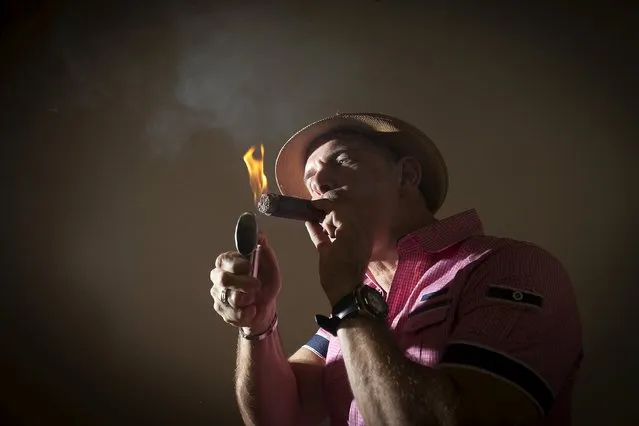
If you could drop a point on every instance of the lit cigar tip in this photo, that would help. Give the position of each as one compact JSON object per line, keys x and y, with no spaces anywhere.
{"x":264,"y":204}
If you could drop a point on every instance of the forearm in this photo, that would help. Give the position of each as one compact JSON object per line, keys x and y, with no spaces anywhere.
{"x":389,"y":388}
{"x":266,"y":388}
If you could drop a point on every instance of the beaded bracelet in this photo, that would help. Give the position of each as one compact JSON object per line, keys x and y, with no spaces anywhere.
{"x":262,"y":335}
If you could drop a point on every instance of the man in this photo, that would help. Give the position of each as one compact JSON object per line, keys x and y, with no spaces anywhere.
{"x":433,"y":323}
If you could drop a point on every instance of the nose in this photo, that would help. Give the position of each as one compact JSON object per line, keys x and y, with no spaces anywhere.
{"x":323,"y":181}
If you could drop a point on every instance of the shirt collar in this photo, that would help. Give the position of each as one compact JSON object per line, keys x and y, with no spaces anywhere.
{"x":436,"y":237}
{"x":442,"y":234}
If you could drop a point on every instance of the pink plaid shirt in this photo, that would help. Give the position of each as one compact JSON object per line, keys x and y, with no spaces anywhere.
{"x":491,"y":304}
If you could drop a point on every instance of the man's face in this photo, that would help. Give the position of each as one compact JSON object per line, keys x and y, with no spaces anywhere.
{"x":353,"y":170}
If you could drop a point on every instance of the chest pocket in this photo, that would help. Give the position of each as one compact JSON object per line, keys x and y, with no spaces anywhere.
{"x":426,"y":329}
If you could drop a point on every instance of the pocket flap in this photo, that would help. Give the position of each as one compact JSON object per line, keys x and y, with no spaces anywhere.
{"x":426,"y":315}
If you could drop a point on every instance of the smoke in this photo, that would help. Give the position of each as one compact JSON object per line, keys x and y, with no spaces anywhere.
{"x":256,"y":72}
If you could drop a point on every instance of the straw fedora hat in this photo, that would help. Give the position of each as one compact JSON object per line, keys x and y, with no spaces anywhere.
{"x":401,"y":137}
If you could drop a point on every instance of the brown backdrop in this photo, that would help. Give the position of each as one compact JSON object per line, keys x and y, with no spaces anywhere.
{"x":123,"y":128}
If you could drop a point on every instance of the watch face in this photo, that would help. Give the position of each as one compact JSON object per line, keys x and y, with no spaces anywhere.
{"x":374,"y":301}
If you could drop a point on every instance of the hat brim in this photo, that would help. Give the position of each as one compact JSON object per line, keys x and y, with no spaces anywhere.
{"x":401,"y":137}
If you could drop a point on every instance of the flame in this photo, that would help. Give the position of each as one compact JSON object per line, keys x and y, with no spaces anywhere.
{"x":255,"y":167}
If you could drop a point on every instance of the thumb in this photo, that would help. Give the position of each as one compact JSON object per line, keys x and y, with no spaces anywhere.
{"x":317,"y":234}
{"x":267,"y":266}
{"x":261,"y":238}
{"x":265,"y":246}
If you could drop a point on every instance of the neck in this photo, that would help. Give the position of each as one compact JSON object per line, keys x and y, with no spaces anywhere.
{"x":383,"y":267}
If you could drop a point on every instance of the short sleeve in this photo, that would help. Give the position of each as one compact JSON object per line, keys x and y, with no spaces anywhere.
{"x":318,"y":344}
{"x":517,"y":319}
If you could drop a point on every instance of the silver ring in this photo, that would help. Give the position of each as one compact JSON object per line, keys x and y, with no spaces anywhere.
{"x":224,"y":296}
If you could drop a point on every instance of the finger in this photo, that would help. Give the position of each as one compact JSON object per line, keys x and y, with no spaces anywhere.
{"x":330,"y":225}
{"x":235,"y":299}
{"x":318,"y":235}
{"x":240,"y":299}
{"x":243,"y":283}
{"x":261,"y":238}
{"x":234,"y":262}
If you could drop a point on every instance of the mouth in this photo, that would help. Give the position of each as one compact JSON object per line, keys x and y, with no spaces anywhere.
{"x":334,"y":194}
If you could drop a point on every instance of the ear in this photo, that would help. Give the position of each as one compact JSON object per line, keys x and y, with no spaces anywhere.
{"x":410,"y":173}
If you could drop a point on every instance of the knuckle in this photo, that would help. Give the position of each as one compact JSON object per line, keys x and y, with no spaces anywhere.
{"x":219,"y":260}
{"x":219,"y":276}
{"x":225,"y":259}
{"x":214,"y":275}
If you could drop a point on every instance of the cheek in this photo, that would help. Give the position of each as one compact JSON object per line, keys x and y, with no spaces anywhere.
{"x":373,"y":185}
{"x":373,"y":193}
{"x":381,"y":194}
{"x":379,"y":210}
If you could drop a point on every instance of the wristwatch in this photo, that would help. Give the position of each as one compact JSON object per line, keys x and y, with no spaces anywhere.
{"x":364,"y":300}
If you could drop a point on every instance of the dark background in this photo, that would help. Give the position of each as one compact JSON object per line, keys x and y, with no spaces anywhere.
{"x":123,"y":125}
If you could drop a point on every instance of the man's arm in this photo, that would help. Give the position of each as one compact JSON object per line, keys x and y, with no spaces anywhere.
{"x":272,"y":390}
{"x":389,"y":388}
{"x":516,"y":342}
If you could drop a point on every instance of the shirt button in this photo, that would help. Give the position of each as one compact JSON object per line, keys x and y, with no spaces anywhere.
{"x":518,"y":295}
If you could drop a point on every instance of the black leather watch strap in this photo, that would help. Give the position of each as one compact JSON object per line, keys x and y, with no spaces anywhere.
{"x":344,"y":307}
{"x":343,"y":304}
{"x":327,"y":323}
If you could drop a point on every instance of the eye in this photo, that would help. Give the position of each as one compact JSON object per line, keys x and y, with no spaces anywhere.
{"x":344,"y":160}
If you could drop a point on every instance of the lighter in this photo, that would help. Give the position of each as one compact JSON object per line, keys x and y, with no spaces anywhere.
{"x":246,"y":240}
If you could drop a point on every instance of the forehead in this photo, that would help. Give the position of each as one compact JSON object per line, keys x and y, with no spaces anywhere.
{"x":322,"y":148}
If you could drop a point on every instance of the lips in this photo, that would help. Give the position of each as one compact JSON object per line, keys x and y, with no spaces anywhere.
{"x":334,"y":194}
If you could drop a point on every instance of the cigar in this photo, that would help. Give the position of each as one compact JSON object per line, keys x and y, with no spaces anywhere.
{"x":289,"y":208}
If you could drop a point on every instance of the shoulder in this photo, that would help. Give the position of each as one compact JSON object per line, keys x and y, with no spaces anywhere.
{"x":510,"y":255}
{"x":517,"y":319}
{"x":519,"y":273}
